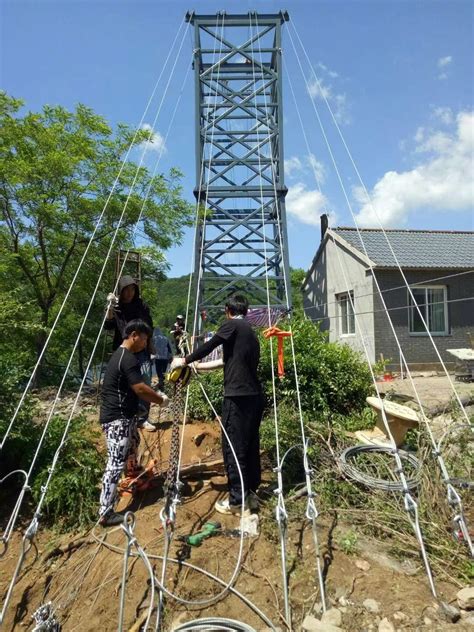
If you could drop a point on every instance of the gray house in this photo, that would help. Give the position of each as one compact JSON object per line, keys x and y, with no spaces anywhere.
{"x":439,"y":267}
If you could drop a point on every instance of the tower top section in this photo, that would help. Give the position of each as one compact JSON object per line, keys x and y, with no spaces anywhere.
{"x":237,"y":19}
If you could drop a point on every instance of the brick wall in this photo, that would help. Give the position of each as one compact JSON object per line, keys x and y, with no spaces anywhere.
{"x":418,"y":350}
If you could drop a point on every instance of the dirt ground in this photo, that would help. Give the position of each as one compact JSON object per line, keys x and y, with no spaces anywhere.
{"x":81,"y":573}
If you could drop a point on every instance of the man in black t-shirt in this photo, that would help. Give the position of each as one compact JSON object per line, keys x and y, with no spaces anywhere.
{"x":243,"y":401}
{"x":122,"y":389}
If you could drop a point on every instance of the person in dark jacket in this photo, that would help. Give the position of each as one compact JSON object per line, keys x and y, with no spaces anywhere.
{"x":162,"y":355}
{"x":130,"y":306}
{"x":243,"y":404}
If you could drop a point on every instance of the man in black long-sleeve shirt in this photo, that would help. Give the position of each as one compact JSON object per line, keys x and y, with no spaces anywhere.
{"x":243,"y":401}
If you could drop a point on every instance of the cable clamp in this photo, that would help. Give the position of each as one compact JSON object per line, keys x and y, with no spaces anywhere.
{"x":311,"y":511}
{"x":32,"y":529}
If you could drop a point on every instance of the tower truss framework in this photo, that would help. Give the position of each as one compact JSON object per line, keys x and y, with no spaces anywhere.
{"x":239,"y":160}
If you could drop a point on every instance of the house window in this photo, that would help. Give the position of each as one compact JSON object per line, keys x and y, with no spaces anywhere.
{"x":346,"y":313}
{"x":432,"y":302}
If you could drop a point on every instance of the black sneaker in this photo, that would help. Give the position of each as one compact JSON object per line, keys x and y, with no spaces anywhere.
{"x":111,"y":519}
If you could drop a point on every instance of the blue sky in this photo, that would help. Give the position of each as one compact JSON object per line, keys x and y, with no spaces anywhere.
{"x":398,"y":76}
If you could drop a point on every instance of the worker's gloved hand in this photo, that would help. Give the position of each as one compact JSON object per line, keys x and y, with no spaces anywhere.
{"x":165,"y":400}
{"x":177,"y":363}
{"x":112,"y":300}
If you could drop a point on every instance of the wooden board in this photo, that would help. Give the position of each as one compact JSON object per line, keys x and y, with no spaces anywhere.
{"x":392,"y":409}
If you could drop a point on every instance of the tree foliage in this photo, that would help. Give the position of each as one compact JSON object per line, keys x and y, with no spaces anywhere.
{"x":57,"y":174}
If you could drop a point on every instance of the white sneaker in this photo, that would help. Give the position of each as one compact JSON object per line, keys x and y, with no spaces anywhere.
{"x":224,"y":507}
{"x":146,"y":425}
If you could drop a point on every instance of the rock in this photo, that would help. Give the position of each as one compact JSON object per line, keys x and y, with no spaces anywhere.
{"x":431,"y":612}
{"x":332,"y":616}
{"x":449,"y":613}
{"x":371,"y":605}
{"x":311,"y":624}
{"x":318,"y":608}
{"x":344,"y":601}
{"x":386,"y":626}
{"x":199,"y":438}
{"x":340,"y":592}
{"x":409,"y":567}
{"x":363,"y":565}
{"x":427,"y":621}
{"x":181,"y":618}
{"x":465,"y":598}
{"x":399,"y":616}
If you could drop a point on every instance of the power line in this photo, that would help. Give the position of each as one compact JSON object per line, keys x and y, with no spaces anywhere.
{"x":393,"y":289}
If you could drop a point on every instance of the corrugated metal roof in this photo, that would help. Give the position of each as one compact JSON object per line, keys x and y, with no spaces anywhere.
{"x":414,"y":248}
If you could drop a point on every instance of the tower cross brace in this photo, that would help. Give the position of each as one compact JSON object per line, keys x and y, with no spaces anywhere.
{"x":240,"y":185}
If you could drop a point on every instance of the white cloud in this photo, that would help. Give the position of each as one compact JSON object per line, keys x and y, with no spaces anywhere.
{"x":295,"y":167}
{"x":443,"y":64}
{"x":317,"y":167}
{"x":444,"y":61}
{"x":156,"y":141}
{"x":318,"y":89}
{"x":306,"y":205}
{"x":443,"y":114}
{"x":325,"y":88}
{"x":442,"y":183}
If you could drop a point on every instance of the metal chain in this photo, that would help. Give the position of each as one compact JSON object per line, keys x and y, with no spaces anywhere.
{"x":177,"y":407}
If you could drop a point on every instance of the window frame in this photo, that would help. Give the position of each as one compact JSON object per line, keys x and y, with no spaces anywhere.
{"x":340,"y":298}
{"x":412,"y":308}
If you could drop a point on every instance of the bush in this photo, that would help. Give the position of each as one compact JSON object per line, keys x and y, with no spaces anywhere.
{"x":333,"y":378}
{"x":24,"y":434}
{"x":71,"y":500}
{"x":198,"y":407}
{"x":72,"y":497}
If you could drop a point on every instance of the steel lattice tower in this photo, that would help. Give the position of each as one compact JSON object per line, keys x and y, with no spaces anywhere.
{"x":239,"y":159}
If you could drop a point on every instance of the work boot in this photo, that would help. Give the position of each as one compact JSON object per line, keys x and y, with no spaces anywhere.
{"x":111,"y":519}
{"x":252,"y":501}
{"x":224,"y":507}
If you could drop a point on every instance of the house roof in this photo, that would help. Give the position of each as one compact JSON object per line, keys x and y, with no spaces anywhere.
{"x":413,"y":248}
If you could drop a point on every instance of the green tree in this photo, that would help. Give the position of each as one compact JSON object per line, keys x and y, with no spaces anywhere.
{"x":57,"y":169}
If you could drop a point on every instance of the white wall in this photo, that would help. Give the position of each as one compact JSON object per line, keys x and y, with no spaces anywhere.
{"x":336,"y":272}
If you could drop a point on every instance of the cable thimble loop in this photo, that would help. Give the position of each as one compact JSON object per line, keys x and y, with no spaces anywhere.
{"x":311,"y":510}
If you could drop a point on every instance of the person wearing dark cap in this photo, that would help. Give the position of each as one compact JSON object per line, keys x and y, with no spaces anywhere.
{"x":120,"y":311}
{"x":178,"y":333}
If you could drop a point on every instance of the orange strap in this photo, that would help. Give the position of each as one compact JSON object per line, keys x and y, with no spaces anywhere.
{"x":279,"y":334}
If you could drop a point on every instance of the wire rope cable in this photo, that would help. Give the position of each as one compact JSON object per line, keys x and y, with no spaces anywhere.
{"x":374,"y":210}
{"x":31,"y":530}
{"x":91,"y":240}
{"x":453,"y":497}
{"x":281,"y":514}
{"x":12,"y":521}
{"x":228,"y":585}
{"x":198,"y":569}
{"x":410,"y":504}
{"x":311,"y":509}
{"x":210,"y":624}
{"x":352,"y":471}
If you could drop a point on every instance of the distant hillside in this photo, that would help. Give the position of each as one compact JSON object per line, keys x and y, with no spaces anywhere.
{"x":168,"y":297}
